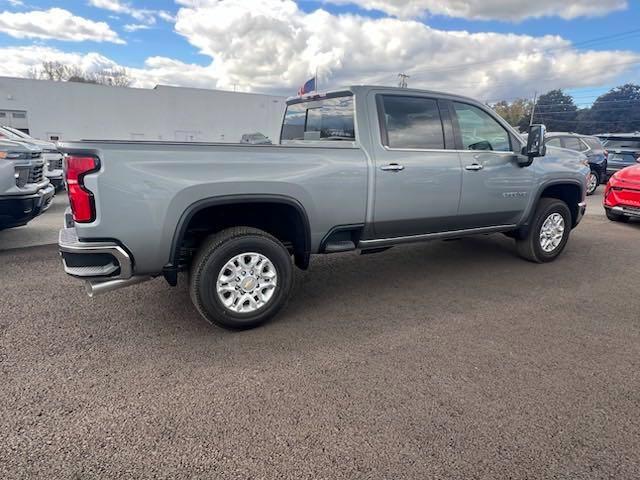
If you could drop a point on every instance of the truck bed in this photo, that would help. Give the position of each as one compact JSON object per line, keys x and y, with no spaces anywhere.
{"x":144,"y":188}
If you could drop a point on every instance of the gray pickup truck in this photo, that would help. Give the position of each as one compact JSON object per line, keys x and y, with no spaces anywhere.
{"x":364,"y":168}
{"x":25,"y":192}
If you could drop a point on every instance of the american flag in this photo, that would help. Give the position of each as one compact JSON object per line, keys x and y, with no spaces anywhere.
{"x":309,"y":86}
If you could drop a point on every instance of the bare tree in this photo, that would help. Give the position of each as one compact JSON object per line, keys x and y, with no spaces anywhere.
{"x":59,"y":72}
{"x":115,"y":77}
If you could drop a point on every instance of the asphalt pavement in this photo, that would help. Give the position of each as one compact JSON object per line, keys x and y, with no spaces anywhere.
{"x":444,"y":360}
{"x":42,"y":230}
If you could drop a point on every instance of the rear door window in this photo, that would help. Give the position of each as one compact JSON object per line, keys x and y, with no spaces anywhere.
{"x":411,"y":122}
{"x":574,"y":143}
{"x":593,"y":143}
{"x":327,"y":119}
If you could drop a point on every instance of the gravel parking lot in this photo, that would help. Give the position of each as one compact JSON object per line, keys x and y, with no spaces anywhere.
{"x":442,"y":360}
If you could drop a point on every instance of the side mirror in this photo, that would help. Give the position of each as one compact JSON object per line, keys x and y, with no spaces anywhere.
{"x":535,"y":142}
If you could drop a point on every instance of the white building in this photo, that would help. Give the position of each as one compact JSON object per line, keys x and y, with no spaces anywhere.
{"x":74,"y":111}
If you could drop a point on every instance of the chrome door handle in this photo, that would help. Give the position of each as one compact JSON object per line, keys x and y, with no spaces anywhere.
{"x":474,"y":167}
{"x":392,"y":167}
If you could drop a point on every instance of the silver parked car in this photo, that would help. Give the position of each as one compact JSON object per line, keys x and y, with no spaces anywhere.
{"x":255,"y":139}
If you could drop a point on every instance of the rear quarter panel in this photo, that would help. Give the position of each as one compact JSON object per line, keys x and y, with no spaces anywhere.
{"x":142,"y":190}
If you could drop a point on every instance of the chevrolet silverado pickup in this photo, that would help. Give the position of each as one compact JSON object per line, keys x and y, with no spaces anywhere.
{"x":24,"y":190}
{"x":364,"y":168}
{"x":50,"y":154}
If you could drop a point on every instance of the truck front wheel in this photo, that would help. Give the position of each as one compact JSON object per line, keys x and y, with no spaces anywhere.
{"x":548,"y":233}
{"x":240,"y":278}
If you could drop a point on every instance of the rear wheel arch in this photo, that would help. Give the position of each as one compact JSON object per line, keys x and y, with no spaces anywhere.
{"x":301,"y":246}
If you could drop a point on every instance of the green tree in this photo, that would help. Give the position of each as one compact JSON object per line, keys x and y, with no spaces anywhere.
{"x":514,"y":112}
{"x":616,"y":111}
{"x":557,"y":111}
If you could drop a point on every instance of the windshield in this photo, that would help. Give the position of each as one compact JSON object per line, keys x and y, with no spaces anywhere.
{"x":621,"y":143}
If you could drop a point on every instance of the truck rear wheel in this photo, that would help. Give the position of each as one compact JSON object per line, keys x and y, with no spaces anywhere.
{"x":240,"y":278}
{"x":548,"y":233}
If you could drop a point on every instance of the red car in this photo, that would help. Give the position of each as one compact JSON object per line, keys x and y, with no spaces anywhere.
{"x":622,"y":195}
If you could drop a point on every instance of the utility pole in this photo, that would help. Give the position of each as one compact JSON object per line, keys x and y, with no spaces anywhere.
{"x":402,"y":80}
{"x":533,"y":107}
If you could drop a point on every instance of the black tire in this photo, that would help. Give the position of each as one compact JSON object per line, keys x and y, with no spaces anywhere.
{"x":591,"y":191}
{"x":215,"y":252}
{"x":529,"y":247}
{"x":615,"y":217}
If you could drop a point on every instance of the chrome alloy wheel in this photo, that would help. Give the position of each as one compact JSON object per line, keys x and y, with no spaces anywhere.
{"x":552,"y":232}
{"x":592,"y":183}
{"x":247,"y":282}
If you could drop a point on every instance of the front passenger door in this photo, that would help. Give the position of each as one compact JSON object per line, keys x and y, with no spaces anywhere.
{"x":495,"y":189}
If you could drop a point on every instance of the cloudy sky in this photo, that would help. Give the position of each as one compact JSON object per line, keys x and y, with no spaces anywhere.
{"x":490,"y":49}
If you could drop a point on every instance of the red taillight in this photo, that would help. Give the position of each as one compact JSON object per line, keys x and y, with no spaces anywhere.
{"x":80,"y":199}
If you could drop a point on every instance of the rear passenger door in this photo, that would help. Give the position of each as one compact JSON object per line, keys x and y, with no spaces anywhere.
{"x":417,"y":170}
{"x":495,"y":189}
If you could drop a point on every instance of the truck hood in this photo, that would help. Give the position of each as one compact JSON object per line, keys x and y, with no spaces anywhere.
{"x":38,"y":144}
{"x":13,"y":146}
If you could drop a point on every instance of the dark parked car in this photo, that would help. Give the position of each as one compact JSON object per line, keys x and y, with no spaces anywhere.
{"x":624,"y":150}
{"x":588,"y":145}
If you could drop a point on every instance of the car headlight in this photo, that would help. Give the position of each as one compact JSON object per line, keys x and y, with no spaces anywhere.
{"x":15,"y":155}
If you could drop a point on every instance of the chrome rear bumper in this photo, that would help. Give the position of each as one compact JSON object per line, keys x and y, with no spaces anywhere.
{"x":106,"y":260}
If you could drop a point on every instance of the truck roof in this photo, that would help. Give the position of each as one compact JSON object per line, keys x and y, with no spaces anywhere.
{"x":363,"y":89}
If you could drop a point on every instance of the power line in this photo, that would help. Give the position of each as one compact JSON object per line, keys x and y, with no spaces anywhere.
{"x":548,"y":50}
{"x":589,"y":121}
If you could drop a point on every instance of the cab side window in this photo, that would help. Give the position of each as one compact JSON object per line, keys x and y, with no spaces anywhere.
{"x":411,"y":122}
{"x":479,"y":130}
{"x":554,"y":142}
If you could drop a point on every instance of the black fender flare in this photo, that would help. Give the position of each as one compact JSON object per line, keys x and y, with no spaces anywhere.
{"x":540,"y":191}
{"x":301,"y":257}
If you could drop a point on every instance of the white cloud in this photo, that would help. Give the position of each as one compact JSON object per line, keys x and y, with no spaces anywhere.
{"x":134,"y":27}
{"x":141,"y":14}
{"x":20,"y":62}
{"x":272,"y":44}
{"x":511,"y":10}
{"x":56,"y":23}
